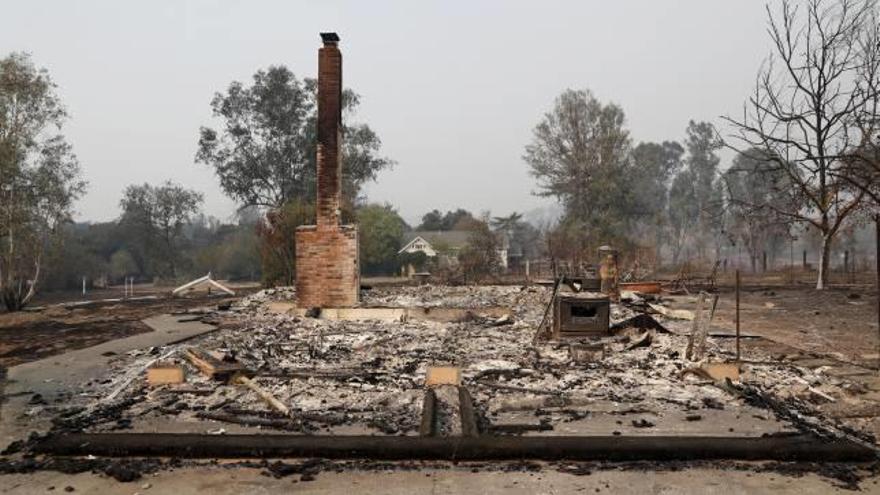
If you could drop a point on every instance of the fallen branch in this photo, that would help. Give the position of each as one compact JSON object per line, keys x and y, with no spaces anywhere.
{"x":265,"y":395}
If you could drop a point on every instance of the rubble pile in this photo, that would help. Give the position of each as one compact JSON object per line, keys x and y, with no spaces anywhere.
{"x":367,"y":377}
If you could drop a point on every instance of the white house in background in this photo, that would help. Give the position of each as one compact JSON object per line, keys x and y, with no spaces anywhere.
{"x":446,"y":243}
{"x":419,"y":244}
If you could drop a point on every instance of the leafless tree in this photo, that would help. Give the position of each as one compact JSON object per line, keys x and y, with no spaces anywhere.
{"x":806,"y":109}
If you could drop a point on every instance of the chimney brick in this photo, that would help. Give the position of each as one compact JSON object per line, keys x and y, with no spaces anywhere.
{"x":329,"y":135}
{"x":327,"y":263}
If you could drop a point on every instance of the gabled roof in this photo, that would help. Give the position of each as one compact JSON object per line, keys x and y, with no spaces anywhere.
{"x":411,"y":242}
{"x":454,"y":239}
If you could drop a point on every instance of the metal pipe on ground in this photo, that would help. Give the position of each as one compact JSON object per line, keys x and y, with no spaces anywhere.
{"x":484,"y":447}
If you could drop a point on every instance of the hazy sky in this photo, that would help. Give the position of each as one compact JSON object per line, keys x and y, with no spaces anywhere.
{"x":453,"y":88}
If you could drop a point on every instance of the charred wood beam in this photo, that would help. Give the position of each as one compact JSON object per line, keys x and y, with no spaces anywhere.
{"x":469,"y":426}
{"x":428,"y":427}
{"x":280,"y":424}
{"x":512,"y":388}
{"x":484,"y":447}
{"x":325,"y":418}
{"x":519,"y":429}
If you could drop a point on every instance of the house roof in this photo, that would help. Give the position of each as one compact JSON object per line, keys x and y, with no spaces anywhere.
{"x":449,"y":238}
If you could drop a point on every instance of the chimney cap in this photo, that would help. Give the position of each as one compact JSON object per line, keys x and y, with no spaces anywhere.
{"x":330,"y":38}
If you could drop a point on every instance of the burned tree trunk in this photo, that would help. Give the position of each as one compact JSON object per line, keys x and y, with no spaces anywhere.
{"x":824,"y":256}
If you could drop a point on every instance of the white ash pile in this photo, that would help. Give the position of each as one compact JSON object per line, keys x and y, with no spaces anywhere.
{"x":465,"y":296}
{"x":368,"y":376}
{"x":259,"y":299}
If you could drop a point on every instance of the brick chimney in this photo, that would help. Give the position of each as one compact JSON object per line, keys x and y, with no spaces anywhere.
{"x":327,"y":264}
{"x":329,"y":132}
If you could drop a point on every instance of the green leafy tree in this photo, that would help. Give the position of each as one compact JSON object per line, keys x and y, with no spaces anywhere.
{"x":508,"y":223}
{"x":380,"y":235}
{"x":264,"y":153}
{"x":682,"y":211}
{"x":755,"y":189}
{"x":479,"y":258}
{"x":653,"y":167}
{"x":702,"y":161}
{"x":39,"y":176}
{"x":122,"y":264}
{"x":277,"y":247}
{"x":433,"y":220}
{"x":579,"y":155}
{"x":695,"y":211}
{"x":523,"y":238}
{"x":459,"y":219}
{"x":160,"y":213}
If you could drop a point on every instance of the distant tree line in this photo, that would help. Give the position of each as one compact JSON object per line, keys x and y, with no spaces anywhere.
{"x":665,"y":195}
{"x":806,"y":163}
{"x":161,"y":236}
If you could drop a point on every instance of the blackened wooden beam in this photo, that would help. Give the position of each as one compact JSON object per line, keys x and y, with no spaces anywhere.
{"x":428,"y":427}
{"x":484,"y":447}
{"x":469,"y":426}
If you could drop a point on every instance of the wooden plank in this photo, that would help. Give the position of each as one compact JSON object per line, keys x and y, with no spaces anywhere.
{"x":164,"y":374}
{"x":265,"y":395}
{"x":212,"y":367}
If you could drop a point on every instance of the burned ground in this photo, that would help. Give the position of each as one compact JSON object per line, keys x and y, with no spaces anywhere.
{"x":365,"y":376}
{"x":61,"y":327}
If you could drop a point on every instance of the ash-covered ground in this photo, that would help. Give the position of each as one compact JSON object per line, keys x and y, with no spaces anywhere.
{"x":367,"y":377}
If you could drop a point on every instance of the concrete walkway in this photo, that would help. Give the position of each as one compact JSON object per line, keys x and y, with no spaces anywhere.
{"x":53,"y":376}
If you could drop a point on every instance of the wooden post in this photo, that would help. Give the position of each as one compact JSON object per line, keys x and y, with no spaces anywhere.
{"x":805,"y":259}
{"x":846,"y":261}
{"x":84,"y":286}
{"x":737,"y":315}
{"x":764,"y":261}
